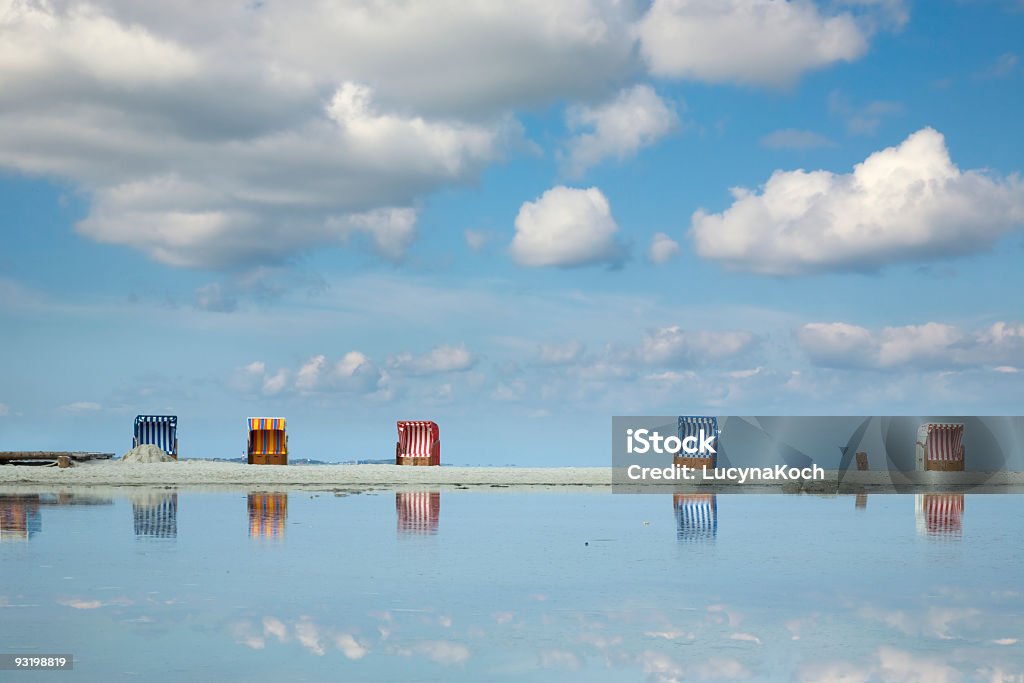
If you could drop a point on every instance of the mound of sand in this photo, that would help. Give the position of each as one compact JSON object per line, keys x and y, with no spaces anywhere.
{"x":146,"y":453}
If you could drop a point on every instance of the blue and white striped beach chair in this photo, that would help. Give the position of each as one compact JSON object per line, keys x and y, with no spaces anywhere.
{"x":692,"y":426}
{"x":158,"y":430}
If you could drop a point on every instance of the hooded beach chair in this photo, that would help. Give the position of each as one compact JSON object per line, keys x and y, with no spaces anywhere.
{"x":692,"y":426}
{"x":940,"y":447}
{"x":419,"y":443}
{"x":268,"y":441}
{"x":158,"y":430}
{"x":696,"y":516}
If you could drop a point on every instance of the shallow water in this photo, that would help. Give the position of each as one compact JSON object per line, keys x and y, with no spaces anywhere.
{"x":513,"y":585}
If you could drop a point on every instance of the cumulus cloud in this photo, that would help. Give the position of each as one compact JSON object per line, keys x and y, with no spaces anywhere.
{"x":566,"y":227}
{"x":675,"y":345}
{"x":904,"y":203}
{"x":349,"y":646}
{"x":634,"y":119}
{"x":201,"y":145}
{"x":438,"y":360}
{"x":308,"y":635}
{"x":903,"y":667}
{"x":769,"y":42}
{"x":930,"y":345}
{"x":662,"y":249}
{"x":353,"y":373}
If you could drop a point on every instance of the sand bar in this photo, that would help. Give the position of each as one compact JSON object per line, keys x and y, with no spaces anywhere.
{"x":199,"y":474}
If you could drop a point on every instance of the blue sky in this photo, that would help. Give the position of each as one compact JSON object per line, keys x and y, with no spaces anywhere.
{"x":517,"y":220}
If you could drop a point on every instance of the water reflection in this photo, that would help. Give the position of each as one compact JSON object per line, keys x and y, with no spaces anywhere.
{"x":19,"y":517}
{"x":861,"y":502}
{"x":155,"y":515}
{"x":696,"y":516}
{"x":268,"y":513}
{"x":939,"y":515}
{"x":418,"y":511}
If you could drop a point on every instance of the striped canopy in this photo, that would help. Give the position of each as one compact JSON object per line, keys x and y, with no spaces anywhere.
{"x":269,"y":423}
{"x":416,"y":437}
{"x":691,"y":425}
{"x":158,"y":430}
{"x":944,"y":441}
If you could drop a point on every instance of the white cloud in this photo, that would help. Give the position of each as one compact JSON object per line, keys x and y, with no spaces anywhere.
{"x":273,"y":626}
{"x":443,"y":652}
{"x":634,"y":119}
{"x":275,"y":383}
{"x":792,"y":138}
{"x":440,"y":359}
{"x":663,"y":249}
{"x":897,"y":666}
{"x":833,"y":672}
{"x":247,"y":133}
{"x":353,"y":373}
{"x":932,"y":344}
{"x":390,"y":231}
{"x":81,"y":407}
{"x":904,"y":203}
{"x":560,"y":354}
{"x":764,"y":42}
{"x":308,"y":635}
{"x":349,"y":646}
{"x":673,"y":344}
{"x":566,"y":227}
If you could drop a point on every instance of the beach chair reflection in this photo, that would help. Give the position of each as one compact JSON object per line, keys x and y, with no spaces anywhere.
{"x":696,"y":516}
{"x":939,"y":515}
{"x":156,"y":516}
{"x":268,"y":513}
{"x":418,"y":511}
{"x":19,"y":517}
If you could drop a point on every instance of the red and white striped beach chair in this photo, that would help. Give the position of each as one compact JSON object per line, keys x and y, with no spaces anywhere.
{"x":940,"y":447}
{"x":419,"y":443}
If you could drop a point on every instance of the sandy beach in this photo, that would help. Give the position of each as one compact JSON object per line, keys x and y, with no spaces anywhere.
{"x":200,"y":474}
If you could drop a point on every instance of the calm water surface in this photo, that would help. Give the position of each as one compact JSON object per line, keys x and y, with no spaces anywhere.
{"x":512,"y":585}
